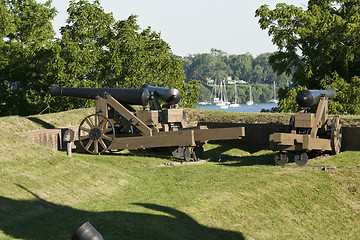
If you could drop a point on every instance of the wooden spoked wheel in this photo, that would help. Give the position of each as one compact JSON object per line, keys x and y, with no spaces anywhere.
{"x":336,"y":135}
{"x":96,"y":133}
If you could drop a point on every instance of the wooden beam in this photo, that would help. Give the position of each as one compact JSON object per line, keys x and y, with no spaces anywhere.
{"x":135,"y":121}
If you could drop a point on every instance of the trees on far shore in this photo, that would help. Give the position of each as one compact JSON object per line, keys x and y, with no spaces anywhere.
{"x":216,"y":66}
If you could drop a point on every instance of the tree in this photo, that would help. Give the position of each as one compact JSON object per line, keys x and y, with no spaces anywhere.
{"x":79,"y":55}
{"x":241,"y":66}
{"x":346,"y":93}
{"x":316,"y":43}
{"x":135,"y":58}
{"x":97,"y":51}
{"x":94,"y":50}
{"x":258,"y":74}
{"x":218,"y":65}
{"x":26,"y":36}
{"x":208,"y":65}
{"x":287,"y":97}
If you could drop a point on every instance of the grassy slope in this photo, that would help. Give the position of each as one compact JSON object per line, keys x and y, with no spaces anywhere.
{"x":46,"y":195}
{"x":197,"y":115}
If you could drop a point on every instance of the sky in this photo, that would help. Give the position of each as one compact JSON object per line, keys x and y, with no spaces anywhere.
{"x":194,"y":26}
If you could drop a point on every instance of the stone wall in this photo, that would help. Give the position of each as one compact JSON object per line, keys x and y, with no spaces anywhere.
{"x":51,"y":138}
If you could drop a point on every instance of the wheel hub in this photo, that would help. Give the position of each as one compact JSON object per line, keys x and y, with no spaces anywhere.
{"x":95,"y":134}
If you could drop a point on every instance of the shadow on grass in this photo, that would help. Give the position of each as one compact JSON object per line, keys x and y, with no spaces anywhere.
{"x":41,"y":122}
{"x":224,"y":146}
{"x":40,"y":219}
{"x":218,"y":154}
{"x":164,"y":153}
{"x":218,"y":151}
{"x":264,"y":159}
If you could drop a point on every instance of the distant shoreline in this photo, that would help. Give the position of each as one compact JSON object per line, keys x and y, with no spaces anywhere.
{"x":242,"y":108}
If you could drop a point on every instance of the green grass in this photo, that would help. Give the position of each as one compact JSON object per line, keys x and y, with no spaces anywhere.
{"x":131,"y":195}
{"x":197,"y":115}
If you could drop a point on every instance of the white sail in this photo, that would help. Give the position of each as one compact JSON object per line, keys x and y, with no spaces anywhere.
{"x":223,"y":103}
{"x":250,"y":102}
{"x":235,"y":104}
{"x":274,"y":100}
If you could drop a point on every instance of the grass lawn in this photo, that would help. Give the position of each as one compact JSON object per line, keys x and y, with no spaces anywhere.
{"x":132,"y":195}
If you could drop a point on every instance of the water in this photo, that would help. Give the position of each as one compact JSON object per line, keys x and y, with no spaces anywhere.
{"x":256,"y":107}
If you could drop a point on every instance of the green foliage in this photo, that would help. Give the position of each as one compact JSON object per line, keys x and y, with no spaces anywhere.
{"x":207,"y":65}
{"x":205,"y":92}
{"x":218,"y":65}
{"x":347,"y":97}
{"x":77,"y":55}
{"x":315,"y":43}
{"x":190,"y":94}
{"x":98,"y":51}
{"x":287,"y":102}
{"x":94,"y":50}
{"x":25,"y":42}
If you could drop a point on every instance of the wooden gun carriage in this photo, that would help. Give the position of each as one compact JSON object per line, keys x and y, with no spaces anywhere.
{"x":308,"y":132}
{"x":116,"y":125}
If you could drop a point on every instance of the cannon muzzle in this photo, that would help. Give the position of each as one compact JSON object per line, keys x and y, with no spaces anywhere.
{"x":307,"y":98}
{"x":170,"y":95}
{"x":123,"y":95}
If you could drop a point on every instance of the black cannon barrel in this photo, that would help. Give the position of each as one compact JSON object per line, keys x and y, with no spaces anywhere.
{"x":307,"y":98}
{"x":169,"y":95}
{"x":124,"y":95}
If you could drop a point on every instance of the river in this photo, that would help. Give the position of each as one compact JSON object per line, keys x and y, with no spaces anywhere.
{"x":256,"y":107}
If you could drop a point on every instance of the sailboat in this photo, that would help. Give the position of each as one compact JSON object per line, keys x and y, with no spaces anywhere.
{"x":225,"y":96}
{"x":235,"y":104}
{"x":214,"y":98}
{"x":250,"y":102}
{"x":274,"y":100}
{"x":222,"y":103}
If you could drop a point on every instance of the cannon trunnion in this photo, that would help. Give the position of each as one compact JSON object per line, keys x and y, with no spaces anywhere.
{"x":308,"y":132}
{"x":116,"y":125}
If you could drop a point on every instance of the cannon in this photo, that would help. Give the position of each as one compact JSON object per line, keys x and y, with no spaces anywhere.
{"x":123,"y":95}
{"x":307,"y":98}
{"x":169,"y":95}
{"x":116,"y":125}
{"x":308,"y":132}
